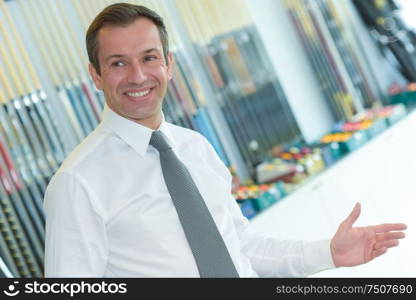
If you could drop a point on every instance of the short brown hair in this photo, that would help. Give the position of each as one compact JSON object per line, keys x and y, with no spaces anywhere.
{"x":122,"y":14}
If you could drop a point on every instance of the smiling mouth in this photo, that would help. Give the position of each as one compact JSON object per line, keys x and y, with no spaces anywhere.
{"x":139,"y":94}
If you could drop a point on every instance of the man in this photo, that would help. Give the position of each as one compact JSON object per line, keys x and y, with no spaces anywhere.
{"x":112,"y":209}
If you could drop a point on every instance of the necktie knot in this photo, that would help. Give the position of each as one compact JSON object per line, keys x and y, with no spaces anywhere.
{"x":158,"y":140}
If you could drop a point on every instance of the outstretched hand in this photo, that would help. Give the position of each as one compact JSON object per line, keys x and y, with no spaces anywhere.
{"x":353,"y":246}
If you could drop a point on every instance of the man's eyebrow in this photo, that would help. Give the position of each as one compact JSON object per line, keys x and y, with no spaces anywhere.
{"x":113,"y":56}
{"x":151,"y":50}
{"x":121,"y":55}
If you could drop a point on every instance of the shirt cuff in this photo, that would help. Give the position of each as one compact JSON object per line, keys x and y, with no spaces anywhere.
{"x":317,"y":256}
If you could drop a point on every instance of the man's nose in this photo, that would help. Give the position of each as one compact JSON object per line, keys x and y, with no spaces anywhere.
{"x":136,"y":73}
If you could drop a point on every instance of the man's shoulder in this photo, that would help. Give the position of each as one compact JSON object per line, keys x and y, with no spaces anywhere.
{"x":195,"y":142}
{"x":185,"y":134}
{"x":87,"y":150}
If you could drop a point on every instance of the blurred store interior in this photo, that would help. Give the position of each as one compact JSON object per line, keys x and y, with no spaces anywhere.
{"x":309,"y":103}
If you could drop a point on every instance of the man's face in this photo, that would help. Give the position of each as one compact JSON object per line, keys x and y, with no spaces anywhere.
{"x":134,"y":73}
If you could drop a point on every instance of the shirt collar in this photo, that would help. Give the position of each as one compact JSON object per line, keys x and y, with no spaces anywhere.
{"x":134,"y":134}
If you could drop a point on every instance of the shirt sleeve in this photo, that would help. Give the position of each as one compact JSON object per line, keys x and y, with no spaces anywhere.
{"x":273,"y":257}
{"x":75,"y":242}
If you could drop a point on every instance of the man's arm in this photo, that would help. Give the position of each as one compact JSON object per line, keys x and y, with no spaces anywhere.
{"x":76,"y":242}
{"x":350,"y":246}
{"x":273,"y":257}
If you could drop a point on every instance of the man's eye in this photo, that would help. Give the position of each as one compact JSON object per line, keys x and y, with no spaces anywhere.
{"x":118,"y":64}
{"x":150,"y":58}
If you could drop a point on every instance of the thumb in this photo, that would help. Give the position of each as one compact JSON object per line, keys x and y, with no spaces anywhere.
{"x":350,"y":220}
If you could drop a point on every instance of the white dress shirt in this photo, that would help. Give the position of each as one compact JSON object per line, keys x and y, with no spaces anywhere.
{"x":109,"y":213}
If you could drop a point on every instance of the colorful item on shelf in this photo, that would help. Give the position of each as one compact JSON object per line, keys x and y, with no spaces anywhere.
{"x":348,"y":141}
{"x":308,"y":158}
{"x":392,"y":113}
{"x":253,"y":198}
{"x":405,"y":95}
{"x":329,"y":152}
{"x":247,"y":208}
{"x":274,"y":170}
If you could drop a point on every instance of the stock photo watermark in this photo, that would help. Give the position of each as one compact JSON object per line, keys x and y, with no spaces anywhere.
{"x":70,"y":289}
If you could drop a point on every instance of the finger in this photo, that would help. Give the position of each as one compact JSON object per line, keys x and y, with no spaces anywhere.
{"x":379,"y":252}
{"x":355,"y":213}
{"x":389,"y":227}
{"x":380,"y":237}
{"x":386,"y":244}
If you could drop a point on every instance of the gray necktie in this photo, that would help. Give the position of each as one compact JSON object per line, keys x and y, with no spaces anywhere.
{"x":208,"y":247}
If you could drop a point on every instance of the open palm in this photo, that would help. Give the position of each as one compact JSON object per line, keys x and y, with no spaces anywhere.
{"x":353,"y":246}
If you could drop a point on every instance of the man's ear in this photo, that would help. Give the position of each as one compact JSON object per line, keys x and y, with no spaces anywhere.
{"x":95,"y":77}
{"x":170,"y":65}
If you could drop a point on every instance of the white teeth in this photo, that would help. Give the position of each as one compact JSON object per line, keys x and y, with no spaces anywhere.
{"x":139,"y":94}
